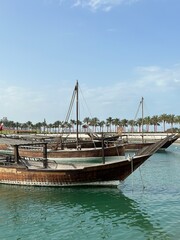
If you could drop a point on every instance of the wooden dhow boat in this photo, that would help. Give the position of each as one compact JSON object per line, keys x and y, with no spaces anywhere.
{"x":21,"y":171}
{"x":138,"y":145}
{"x":118,"y":140}
{"x":134,"y":146}
{"x":73,"y":153}
{"x":89,"y":140}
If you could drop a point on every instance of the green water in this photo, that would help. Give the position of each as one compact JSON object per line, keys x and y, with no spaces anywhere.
{"x":146,"y":206}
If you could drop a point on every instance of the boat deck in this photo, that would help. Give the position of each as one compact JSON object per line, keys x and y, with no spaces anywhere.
{"x":61,"y":166}
{"x":35,"y":164}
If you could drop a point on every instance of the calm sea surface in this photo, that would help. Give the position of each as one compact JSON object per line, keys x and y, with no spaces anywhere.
{"x":145,"y":206}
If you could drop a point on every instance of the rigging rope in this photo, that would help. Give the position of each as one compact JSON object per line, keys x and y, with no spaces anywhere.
{"x":141,"y":178}
{"x":138,"y":110}
{"x":132,"y":169}
{"x":85,"y":102}
{"x":117,"y":150}
{"x":71,"y":106}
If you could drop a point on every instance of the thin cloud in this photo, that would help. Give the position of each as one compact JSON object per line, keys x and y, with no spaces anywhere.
{"x":104,"y":5}
{"x":155,"y":83}
{"x":159,"y":85}
{"x":162,"y":79}
{"x":111,"y":30}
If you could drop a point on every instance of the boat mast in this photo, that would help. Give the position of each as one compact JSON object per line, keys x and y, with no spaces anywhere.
{"x":142,"y":104}
{"x":77,"y":112}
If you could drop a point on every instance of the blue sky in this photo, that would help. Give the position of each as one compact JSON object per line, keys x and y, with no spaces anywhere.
{"x":119,"y":50}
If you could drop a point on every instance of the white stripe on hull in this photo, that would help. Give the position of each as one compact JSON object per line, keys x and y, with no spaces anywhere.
{"x":47,"y":184}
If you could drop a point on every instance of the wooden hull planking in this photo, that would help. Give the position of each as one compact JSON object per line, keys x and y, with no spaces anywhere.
{"x":73,"y":153}
{"x":101,"y":173}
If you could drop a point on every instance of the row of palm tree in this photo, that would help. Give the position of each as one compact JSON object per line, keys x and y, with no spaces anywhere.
{"x":96,"y":125}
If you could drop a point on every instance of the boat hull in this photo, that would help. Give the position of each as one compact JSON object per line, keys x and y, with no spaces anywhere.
{"x":90,"y":175}
{"x":137,"y":146}
{"x":74,"y":153}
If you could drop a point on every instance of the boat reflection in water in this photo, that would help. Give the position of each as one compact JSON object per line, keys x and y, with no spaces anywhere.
{"x":75,"y":212}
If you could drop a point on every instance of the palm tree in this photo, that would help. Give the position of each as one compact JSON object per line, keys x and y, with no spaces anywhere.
{"x":79,"y":124}
{"x":29,"y":124}
{"x":124,"y":123}
{"x":57,"y":125}
{"x":38,"y":126}
{"x":17,"y":125}
{"x":84,"y":127}
{"x":69,"y":126}
{"x":44,"y":124}
{"x":109,"y":121}
{"x":87,"y":122}
{"x":139,"y":123}
{"x":63,"y":126}
{"x":72,"y":122}
{"x":163,"y":118}
{"x":116,"y":122}
{"x":155,"y":122}
{"x":101,"y":125}
{"x":171,"y":120}
{"x":94,"y":123}
{"x":147,"y":122}
{"x":49,"y":127}
{"x":107,"y":126}
{"x":177,"y":120}
{"x":24,"y":126}
{"x":132,"y":124}
{"x":11,"y":125}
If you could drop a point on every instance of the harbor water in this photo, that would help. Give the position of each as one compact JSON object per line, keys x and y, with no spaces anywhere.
{"x":145,"y":206}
